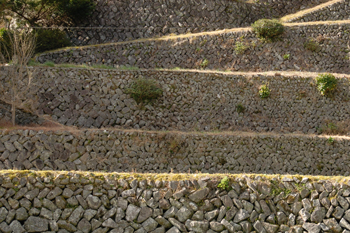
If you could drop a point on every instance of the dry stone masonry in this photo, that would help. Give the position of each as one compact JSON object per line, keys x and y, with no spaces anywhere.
{"x":91,"y":202}
{"x":217,"y":121}
{"x":115,"y":21}
{"x":336,"y":11}
{"x":218,"y":51}
{"x":124,"y":151}
{"x":201,"y":101}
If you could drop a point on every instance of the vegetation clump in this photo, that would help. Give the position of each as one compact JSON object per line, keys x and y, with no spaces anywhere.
{"x":268,"y":29}
{"x":240,"y":47}
{"x":330,"y":140}
{"x":224,"y":183}
{"x":312,"y":45}
{"x":49,"y":12}
{"x":264,"y":91}
{"x":326,"y":84}
{"x":240,"y":108}
{"x":5,"y":44}
{"x":47,"y":39}
{"x":204,"y":63}
{"x":143,"y":90}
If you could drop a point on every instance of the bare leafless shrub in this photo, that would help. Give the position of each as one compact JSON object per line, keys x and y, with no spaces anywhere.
{"x":16,"y":77}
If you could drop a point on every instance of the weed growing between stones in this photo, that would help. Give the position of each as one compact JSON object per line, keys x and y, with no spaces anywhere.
{"x":144,"y":90}
{"x":286,"y":56}
{"x":330,"y":140}
{"x":224,"y":183}
{"x":204,"y":63}
{"x":268,"y":29}
{"x":330,"y":128}
{"x":276,"y":189}
{"x":312,"y":45}
{"x":240,"y":47}
{"x":264,"y":91}
{"x":326,"y":84}
{"x":240,"y":108}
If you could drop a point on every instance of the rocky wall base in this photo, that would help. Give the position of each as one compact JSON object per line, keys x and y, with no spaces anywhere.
{"x":96,"y":202}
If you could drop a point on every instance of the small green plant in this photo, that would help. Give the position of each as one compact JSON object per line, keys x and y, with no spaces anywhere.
{"x":240,"y":47}
{"x":49,"y":63}
{"x":326,"y":83}
{"x":142,"y":90}
{"x":240,"y":108}
{"x":264,"y":91}
{"x":312,"y":45}
{"x":286,"y":56}
{"x":330,"y":140}
{"x":224,"y":183}
{"x":268,"y":29}
{"x":204,"y":63}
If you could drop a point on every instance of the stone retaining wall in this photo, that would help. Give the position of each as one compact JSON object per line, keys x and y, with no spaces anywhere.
{"x":218,"y":51}
{"x":132,"y":19}
{"x":127,"y":151}
{"x":80,"y":202}
{"x":191,"y":101}
{"x":336,"y":11}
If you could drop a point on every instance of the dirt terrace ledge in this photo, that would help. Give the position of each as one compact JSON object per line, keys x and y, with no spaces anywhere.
{"x":192,"y":35}
{"x":75,"y":131}
{"x":166,"y":176}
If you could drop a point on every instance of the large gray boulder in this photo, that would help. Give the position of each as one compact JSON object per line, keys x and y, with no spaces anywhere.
{"x":35,"y":224}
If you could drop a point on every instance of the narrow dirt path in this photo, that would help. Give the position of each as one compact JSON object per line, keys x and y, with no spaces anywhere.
{"x":287,"y":18}
{"x":191,"y":35}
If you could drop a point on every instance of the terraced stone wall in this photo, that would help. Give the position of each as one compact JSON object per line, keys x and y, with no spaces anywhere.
{"x":336,"y":11}
{"x":219,"y":51}
{"x":123,"y":20}
{"x":191,"y":101}
{"x":80,"y":202}
{"x":124,"y":151}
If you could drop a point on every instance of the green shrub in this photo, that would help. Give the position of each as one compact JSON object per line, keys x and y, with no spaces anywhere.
{"x":47,"y":39}
{"x":240,"y":47}
{"x":49,"y":12}
{"x":5,"y":43}
{"x":268,"y":29}
{"x":326,"y":83}
{"x":142,"y":90}
{"x":264,"y":91}
{"x":77,"y":10}
{"x":224,"y":183}
{"x":312,"y":45}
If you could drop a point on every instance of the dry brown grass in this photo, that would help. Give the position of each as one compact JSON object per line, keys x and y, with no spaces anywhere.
{"x":47,"y":125}
{"x":335,"y":128}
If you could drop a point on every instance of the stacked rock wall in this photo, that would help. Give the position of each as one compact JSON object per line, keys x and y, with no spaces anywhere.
{"x":336,"y":11}
{"x":124,"y":151}
{"x":115,"y":21}
{"x":80,"y":202}
{"x":222,"y":51}
{"x":202,"y":101}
